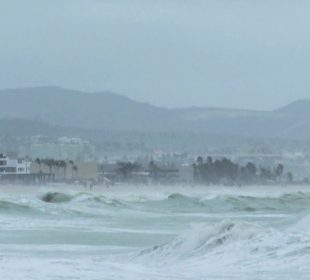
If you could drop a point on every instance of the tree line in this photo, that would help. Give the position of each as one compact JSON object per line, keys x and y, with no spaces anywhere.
{"x":57,"y":165}
{"x":224,"y":171}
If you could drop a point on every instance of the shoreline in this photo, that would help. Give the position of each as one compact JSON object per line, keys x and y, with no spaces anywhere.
{"x":155,"y":190}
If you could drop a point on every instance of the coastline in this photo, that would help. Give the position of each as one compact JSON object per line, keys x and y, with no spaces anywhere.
{"x":155,"y":191}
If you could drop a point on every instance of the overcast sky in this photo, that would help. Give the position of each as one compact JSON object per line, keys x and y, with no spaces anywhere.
{"x":173,"y":53}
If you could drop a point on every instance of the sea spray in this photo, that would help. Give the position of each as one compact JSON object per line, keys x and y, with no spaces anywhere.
{"x":232,"y":233}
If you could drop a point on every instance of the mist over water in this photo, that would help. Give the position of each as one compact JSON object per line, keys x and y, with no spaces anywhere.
{"x":131,"y":232}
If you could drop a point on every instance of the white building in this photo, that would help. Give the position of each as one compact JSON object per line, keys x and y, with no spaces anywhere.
{"x":13,"y":165}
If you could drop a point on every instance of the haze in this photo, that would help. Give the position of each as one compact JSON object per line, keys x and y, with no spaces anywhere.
{"x":241,"y":54}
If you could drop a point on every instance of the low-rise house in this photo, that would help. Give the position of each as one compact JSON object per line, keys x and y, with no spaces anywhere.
{"x":9,"y":165}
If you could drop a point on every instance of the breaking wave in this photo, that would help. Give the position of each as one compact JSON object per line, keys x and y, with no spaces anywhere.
{"x":8,"y":206}
{"x":233,"y":242}
{"x":211,"y":235}
{"x":227,"y":203}
{"x":173,"y":203}
{"x":56,"y":197}
{"x":202,"y":239}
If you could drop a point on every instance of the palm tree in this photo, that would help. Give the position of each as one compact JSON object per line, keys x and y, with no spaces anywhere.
{"x":71,"y":163}
{"x":279,"y":172}
{"x":153,"y":169}
{"x":75,"y":169}
{"x":62,"y":164}
{"x":49,"y":163}
{"x":126,"y":168}
{"x":57,"y":165}
{"x":39,"y":162}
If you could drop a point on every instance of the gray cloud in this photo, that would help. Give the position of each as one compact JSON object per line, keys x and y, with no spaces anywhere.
{"x":246,"y":54}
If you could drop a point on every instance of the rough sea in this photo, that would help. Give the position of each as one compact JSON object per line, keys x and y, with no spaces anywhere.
{"x":154,"y":232}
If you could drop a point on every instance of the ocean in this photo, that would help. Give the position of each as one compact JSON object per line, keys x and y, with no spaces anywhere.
{"x":152,"y":232}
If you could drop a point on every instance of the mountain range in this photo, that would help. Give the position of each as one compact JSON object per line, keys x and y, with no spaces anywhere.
{"x":52,"y":109}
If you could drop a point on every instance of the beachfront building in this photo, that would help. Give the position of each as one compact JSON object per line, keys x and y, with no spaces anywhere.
{"x":66,"y":170}
{"x":10,"y":165}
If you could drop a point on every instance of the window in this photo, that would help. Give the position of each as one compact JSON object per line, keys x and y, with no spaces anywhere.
{"x":9,"y":169}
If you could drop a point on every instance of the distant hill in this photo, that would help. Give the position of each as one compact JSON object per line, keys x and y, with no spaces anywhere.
{"x":297,"y":108}
{"x":58,"y":110}
{"x":26,"y":128}
{"x":63,"y":107}
{"x":22,"y":128}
